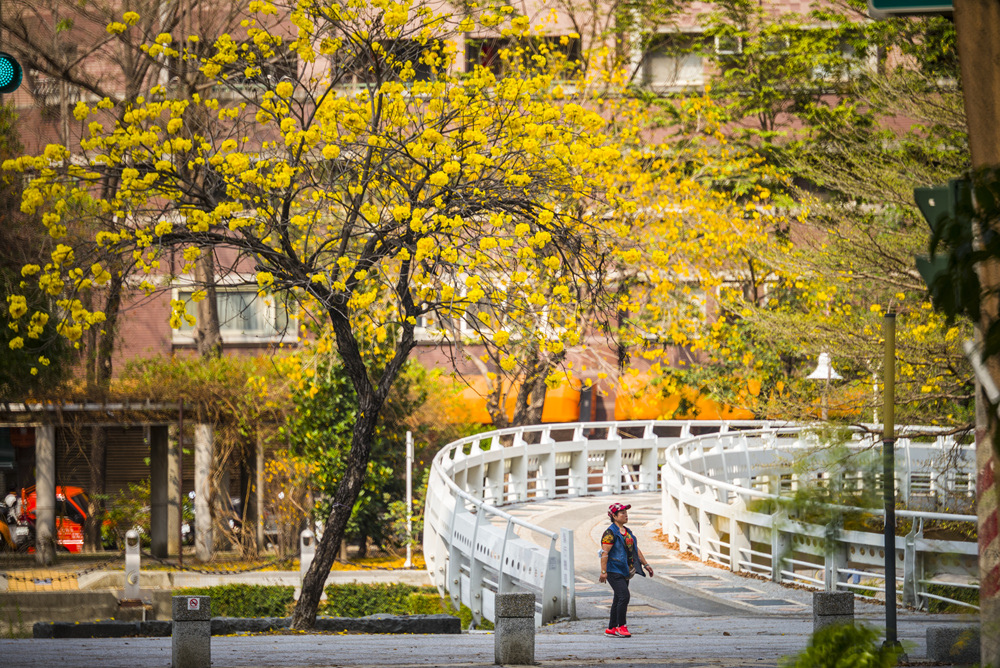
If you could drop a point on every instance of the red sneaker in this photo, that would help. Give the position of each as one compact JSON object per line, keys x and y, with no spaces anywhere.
{"x":611,"y":632}
{"x":623,"y":632}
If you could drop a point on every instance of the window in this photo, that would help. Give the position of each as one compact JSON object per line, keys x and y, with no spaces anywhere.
{"x":265,"y":72}
{"x":673,"y":61}
{"x":485,"y":53}
{"x":244,"y":317}
{"x":499,"y":55}
{"x":283,"y":65}
{"x":777,"y":44}
{"x":403,"y":51}
{"x":728,"y":45}
{"x":440,"y":326}
{"x":841,"y":57}
{"x":841,"y":63}
{"x":464,"y":324}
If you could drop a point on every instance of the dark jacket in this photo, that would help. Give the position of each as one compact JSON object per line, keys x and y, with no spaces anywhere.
{"x":619,"y":558}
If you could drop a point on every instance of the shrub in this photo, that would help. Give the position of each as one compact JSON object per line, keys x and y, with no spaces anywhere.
{"x":130,"y":510}
{"x":465,"y":614}
{"x":242,"y":600}
{"x":957,"y":593}
{"x":361,"y":600}
{"x":425,"y":603}
{"x":845,"y":645}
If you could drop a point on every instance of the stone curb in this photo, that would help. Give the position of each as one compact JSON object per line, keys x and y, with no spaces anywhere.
{"x":418,"y":624}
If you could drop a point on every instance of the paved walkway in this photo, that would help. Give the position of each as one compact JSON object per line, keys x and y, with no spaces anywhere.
{"x":689,"y":615}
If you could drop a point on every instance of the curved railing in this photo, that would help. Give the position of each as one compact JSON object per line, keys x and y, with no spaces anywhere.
{"x":723,"y":500}
{"x":474,"y":550}
{"x":711,"y":473}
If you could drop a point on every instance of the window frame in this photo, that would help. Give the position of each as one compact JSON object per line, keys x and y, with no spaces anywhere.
{"x":735,"y":51}
{"x":185,"y":336}
{"x":572,"y":50}
{"x":660,"y":46}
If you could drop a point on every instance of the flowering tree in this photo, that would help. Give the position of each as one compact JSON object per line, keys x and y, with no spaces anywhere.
{"x":20,"y":237}
{"x":675,"y":239}
{"x":374,"y":183}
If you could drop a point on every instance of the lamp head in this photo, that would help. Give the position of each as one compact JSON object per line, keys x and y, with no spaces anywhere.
{"x":824,"y":369}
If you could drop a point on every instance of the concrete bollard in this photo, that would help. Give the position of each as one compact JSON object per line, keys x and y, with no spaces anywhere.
{"x":132,"y":558}
{"x":954,"y":645}
{"x":307,"y":551}
{"x":831,"y":608}
{"x":191,"y":637}
{"x":514,"y":634}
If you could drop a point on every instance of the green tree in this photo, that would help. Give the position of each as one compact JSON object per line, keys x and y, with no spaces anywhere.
{"x":319,"y":430}
{"x":873,"y":112}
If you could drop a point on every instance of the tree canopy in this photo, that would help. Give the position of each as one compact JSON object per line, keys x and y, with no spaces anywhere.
{"x":874,"y":111}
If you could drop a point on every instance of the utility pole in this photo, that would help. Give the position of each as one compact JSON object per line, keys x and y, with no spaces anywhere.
{"x":977,"y":24}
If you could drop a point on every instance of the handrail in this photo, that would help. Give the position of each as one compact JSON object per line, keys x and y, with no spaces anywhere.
{"x":749,"y":491}
{"x":475,"y":550}
{"x":493,"y":510}
{"x":468,"y":553}
{"x":698,"y":514}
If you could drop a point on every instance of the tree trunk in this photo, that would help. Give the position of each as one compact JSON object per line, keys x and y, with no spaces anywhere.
{"x":371,"y":400}
{"x":304,"y":615}
{"x":100,"y":373}
{"x":92,"y":539}
{"x":208,"y":335}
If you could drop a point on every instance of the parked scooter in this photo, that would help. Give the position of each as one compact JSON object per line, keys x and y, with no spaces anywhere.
{"x":16,"y":531}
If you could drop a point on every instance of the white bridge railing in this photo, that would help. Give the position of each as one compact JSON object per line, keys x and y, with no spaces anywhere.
{"x":714,"y":472}
{"x":725,"y":498}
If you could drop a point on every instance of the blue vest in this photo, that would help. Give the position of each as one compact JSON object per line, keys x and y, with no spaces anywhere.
{"x":618,"y":556}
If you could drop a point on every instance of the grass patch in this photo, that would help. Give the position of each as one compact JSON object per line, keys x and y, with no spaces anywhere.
{"x":12,"y":624}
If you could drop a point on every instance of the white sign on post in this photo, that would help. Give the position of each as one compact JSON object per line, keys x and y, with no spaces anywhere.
{"x":194,"y":604}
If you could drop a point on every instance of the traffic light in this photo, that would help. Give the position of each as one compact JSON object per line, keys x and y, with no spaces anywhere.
{"x":950,"y":272}
{"x":940,"y":204}
{"x":10,"y":73}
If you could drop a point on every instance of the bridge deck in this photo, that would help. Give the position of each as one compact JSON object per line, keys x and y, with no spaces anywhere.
{"x":687,"y":596}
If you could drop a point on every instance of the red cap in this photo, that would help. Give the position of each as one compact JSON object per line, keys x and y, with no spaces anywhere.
{"x":615,"y":508}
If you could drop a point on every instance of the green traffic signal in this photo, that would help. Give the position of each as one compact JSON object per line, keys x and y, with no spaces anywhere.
{"x":949,"y":272}
{"x":10,"y":73}
{"x":942,"y":203}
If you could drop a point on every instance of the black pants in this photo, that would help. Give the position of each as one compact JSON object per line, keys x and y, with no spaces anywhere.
{"x":619,"y":606}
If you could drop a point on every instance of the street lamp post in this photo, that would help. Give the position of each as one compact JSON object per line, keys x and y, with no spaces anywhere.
{"x":889,"y":476}
{"x":409,"y":501}
{"x":824,"y":371}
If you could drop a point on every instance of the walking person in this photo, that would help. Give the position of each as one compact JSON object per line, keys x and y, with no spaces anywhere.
{"x":621,"y":558}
